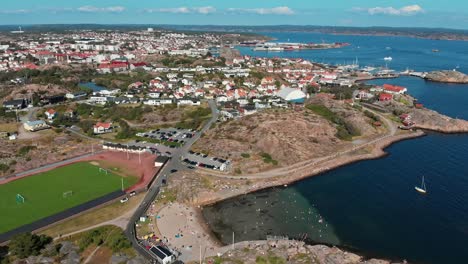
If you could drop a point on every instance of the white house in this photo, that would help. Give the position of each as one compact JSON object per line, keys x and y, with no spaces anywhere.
{"x":101,"y":128}
{"x":192,"y":102}
{"x":51,"y":114}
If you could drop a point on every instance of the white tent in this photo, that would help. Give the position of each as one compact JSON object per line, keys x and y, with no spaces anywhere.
{"x":290,"y":94}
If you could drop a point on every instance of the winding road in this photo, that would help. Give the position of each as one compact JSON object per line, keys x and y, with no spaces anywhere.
{"x":173,"y":163}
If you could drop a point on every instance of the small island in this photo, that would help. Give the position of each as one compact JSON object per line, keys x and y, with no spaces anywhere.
{"x":447,"y":77}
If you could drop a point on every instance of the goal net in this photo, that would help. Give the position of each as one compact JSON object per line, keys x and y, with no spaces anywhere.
{"x":20,"y":198}
{"x":101,"y":170}
{"x":67,"y":194}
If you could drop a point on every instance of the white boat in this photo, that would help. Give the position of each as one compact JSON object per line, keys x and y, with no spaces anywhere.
{"x":388,"y":58}
{"x":421,"y":189}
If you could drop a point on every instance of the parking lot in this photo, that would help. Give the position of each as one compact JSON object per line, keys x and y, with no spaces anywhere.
{"x":168,"y":136}
{"x":195,"y":159}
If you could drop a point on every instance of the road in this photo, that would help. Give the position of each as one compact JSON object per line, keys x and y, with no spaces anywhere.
{"x":173,"y":163}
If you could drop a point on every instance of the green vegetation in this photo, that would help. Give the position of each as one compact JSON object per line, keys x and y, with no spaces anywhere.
{"x":125,"y":131}
{"x":24,"y":150}
{"x":172,"y":62}
{"x":270,"y":259}
{"x":54,"y":75}
{"x":194,"y":119}
{"x":158,"y":141}
{"x":245,"y":155}
{"x":371,"y":115}
{"x":341,"y":92}
{"x":120,"y":80}
{"x":27,"y":244}
{"x":109,"y":236}
{"x":345,"y":129}
{"x":7,"y":115}
{"x":167,"y":196}
{"x":43,"y":193}
{"x":268,"y":159}
{"x":112,"y":112}
{"x":4,"y":167}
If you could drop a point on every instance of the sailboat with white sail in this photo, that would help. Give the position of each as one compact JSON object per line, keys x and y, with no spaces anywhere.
{"x":421,"y":189}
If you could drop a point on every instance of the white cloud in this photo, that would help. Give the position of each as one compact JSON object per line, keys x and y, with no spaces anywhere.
{"x":94,"y":9}
{"x":184,"y":10}
{"x":280,"y":10}
{"x":17,"y":11}
{"x":205,"y":10}
{"x":404,"y":11}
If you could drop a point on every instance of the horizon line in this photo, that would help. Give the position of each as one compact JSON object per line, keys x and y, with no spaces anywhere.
{"x":220,"y":25}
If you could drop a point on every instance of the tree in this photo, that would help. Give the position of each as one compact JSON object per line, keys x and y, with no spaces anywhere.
{"x":27,"y":244}
{"x":125,"y":130}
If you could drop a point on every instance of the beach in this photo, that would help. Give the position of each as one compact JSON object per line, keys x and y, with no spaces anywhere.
{"x":186,"y":230}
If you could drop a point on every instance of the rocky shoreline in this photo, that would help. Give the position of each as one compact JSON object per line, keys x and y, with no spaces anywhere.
{"x":374,"y":150}
{"x":377,"y":152}
{"x":447,"y":77}
{"x":292,"y":251}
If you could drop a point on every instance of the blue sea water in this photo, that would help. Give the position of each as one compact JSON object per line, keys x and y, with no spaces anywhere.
{"x":412,"y":53}
{"x":371,"y":206}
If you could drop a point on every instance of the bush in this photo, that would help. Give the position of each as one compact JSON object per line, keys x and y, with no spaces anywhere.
{"x":25,"y":150}
{"x":4,"y":167}
{"x":245,"y":155}
{"x":27,"y":244}
{"x":268,"y":159}
{"x":117,"y":242}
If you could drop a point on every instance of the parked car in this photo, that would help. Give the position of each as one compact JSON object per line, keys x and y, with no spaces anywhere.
{"x":124,"y":200}
{"x":132,"y":193}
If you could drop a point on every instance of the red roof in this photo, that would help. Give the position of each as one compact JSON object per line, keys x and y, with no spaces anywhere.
{"x":51,"y":111}
{"x":393,"y":88}
{"x":103,"y":125}
{"x":113,"y":65}
{"x":139,"y":64}
{"x":385,"y":97}
{"x":30,"y":66}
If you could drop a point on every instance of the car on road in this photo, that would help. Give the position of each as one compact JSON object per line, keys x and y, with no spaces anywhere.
{"x":173,"y":170}
{"x":124,"y":200}
{"x":191,"y":167}
{"x":133,"y":193}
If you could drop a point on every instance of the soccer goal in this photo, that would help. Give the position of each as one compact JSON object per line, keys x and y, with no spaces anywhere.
{"x":101,"y":170}
{"x":20,"y":198}
{"x":67,"y":194}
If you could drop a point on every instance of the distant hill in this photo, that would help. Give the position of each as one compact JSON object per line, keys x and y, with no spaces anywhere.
{"x":428,"y":33}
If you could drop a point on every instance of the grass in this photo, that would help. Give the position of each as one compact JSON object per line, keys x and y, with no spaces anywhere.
{"x":43,"y":192}
{"x":9,"y":127}
{"x":268,"y":159}
{"x":323,"y":111}
{"x":345,"y":130}
{"x":93,"y":217}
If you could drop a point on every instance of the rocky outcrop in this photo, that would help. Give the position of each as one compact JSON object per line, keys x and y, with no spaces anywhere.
{"x":288,"y":136}
{"x":431,"y":120}
{"x":289,"y":251}
{"x":447,"y":77}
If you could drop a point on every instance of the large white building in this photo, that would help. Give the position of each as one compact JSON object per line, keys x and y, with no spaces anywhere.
{"x":291,"y":95}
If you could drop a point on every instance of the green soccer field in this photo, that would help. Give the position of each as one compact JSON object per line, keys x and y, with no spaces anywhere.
{"x":44,"y":192}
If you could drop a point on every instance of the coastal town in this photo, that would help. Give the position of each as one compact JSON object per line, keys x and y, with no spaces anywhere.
{"x":186,"y":120}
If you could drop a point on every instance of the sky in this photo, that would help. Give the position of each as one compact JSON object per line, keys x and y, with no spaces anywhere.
{"x":396,"y":13}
